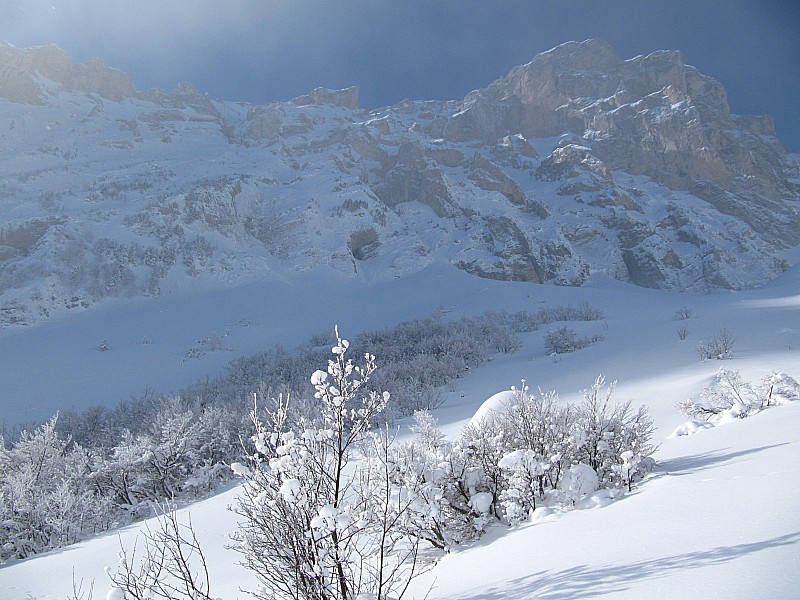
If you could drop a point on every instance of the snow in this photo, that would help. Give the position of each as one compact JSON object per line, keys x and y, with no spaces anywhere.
{"x":499,"y":403}
{"x":716,"y":518}
{"x":240,"y":469}
{"x":481,"y":502}
{"x":115,"y":593}
{"x":579,"y":481}
{"x":290,"y":490}
{"x":690,"y":427}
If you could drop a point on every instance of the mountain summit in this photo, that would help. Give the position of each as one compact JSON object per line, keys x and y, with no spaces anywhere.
{"x":577,"y":163}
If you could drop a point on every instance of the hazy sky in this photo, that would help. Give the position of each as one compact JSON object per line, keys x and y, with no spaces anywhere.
{"x":264,"y":50}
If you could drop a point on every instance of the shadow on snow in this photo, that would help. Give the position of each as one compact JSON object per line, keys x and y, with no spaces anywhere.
{"x":585,"y":582}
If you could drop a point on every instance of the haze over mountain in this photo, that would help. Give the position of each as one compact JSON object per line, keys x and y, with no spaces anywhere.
{"x":175,"y":232}
{"x":576,"y":163}
{"x":275,"y":50}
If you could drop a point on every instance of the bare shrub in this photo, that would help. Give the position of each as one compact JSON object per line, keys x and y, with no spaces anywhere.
{"x":524,"y":321}
{"x":328,"y":532}
{"x":719,"y":346}
{"x":561,"y":340}
{"x":173,"y":566}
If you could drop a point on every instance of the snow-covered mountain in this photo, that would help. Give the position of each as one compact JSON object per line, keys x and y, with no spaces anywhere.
{"x":576,"y":163}
{"x":578,"y":167}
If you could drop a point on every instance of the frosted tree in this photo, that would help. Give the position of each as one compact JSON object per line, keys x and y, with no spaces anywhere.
{"x":605,"y":429}
{"x":430,"y":474}
{"x":122,"y":473}
{"x":310,"y":529}
{"x":175,"y":439}
{"x":426,"y":429}
{"x":45,"y":498}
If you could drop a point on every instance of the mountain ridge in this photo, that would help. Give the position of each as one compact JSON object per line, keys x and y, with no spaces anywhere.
{"x":576,"y":163}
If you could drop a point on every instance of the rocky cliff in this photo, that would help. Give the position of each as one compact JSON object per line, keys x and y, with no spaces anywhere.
{"x":24,"y":75}
{"x":576,"y":163}
{"x":650,"y":115}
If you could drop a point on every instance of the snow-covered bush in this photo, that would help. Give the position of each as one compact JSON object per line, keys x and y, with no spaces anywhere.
{"x":46,"y":497}
{"x":777,"y":388}
{"x":604,"y":431}
{"x":548,"y":439}
{"x":449,"y":503}
{"x":181,"y":452}
{"x":480,"y":448}
{"x":578,"y":481}
{"x":541,"y":430}
{"x":730,"y":396}
{"x":562,"y":340}
{"x":55,"y":491}
{"x":524,"y":471}
{"x":524,"y":449}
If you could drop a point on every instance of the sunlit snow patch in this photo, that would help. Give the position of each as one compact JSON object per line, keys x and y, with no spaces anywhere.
{"x":690,"y":427}
{"x":497,"y":404}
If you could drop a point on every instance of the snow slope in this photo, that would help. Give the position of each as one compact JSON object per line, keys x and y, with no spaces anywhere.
{"x":718,"y":517}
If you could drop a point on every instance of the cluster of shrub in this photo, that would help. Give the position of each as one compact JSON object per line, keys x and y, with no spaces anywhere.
{"x":534,"y":451}
{"x":82,"y":473}
{"x":318,"y":524}
{"x":55,"y":491}
{"x":731,"y":396}
{"x":418,"y":358}
{"x":562,"y":339}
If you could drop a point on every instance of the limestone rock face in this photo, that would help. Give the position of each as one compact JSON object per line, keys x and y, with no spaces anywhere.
{"x":19,"y":70}
{"x":98,"y":78}
{"x":411,"y":176}
{"x":650,"y":115}
{"x":346,"y":98}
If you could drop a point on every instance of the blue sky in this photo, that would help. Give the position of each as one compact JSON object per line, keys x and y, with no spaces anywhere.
{"x":265,"y":50}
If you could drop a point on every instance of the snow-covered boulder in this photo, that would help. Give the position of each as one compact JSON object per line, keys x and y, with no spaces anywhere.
{"x":497,"y":404}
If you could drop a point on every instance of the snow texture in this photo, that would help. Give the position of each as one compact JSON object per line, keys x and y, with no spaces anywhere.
{"x":718,"y":514}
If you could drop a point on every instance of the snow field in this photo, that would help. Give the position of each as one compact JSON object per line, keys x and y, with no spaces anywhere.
{"x":717,"y":518}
